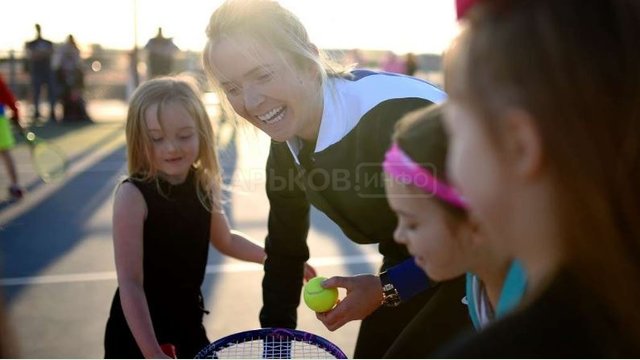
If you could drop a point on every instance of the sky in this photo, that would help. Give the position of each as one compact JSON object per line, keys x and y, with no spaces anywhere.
{"x":421,"y":26}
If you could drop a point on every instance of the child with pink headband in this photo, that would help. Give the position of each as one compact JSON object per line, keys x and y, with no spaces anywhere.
{"x":434,"y":224}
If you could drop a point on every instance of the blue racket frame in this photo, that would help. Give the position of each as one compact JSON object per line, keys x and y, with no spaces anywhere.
{"x":270,"y":350}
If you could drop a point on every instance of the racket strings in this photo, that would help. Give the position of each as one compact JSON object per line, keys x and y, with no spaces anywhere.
{"x":50,"y":163}
{"x":272,"y":347}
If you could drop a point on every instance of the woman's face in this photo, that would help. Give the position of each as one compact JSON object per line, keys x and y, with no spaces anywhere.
{"x":274,"y":95}
{"x":437,"y":241}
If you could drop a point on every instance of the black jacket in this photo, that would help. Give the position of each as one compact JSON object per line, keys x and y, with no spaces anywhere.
{"x":343,"y":178}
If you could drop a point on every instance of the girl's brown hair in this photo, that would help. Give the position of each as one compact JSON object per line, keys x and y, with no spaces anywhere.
{"x":574,"y":65}
{"x":173,"y":90}
{"x":422,"y":136}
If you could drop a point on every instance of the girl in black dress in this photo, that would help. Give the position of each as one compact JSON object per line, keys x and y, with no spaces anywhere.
{"x":165,"y":215}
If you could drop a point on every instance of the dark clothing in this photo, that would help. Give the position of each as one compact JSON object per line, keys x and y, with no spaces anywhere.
{"x":161,"y":52}
{"x":71,"y":94}
{"x":411,"y":65}
{"x":564,"y":321}
{"x":429,"y":327}
{"x":39,"y":54}
{"x":343,"y":178}
{"x":176,"y":245}
{"x":189,"y":336}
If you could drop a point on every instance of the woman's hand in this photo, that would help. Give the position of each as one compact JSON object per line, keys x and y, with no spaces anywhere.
{"x":364,"y":296}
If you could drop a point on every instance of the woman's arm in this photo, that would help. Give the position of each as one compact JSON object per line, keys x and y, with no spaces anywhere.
{"x":286,"y":242}
{"x":129,"y":212}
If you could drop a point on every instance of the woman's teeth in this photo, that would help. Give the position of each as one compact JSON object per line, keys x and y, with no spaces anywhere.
{"x":272,"y":116}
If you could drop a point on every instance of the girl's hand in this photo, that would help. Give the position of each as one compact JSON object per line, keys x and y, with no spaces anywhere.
{"x":309,"y":272}
{"x":161,"y":355}
{"x":364,"y":296}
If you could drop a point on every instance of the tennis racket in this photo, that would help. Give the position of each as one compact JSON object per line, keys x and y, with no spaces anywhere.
{"x":271,"y":343}
{"x":48,"y":160}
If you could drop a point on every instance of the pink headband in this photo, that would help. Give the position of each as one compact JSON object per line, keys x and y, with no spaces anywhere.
{"x":462,"y":6}
{"x":406,"y":171}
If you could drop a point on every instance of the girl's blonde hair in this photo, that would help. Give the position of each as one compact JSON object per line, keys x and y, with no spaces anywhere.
{"x":266,"y":22}
{"x":574,"y":65}
{"x":162,"y":92}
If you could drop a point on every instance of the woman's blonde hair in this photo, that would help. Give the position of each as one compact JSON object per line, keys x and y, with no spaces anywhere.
{"x":162,"y":92}
{"x":267,"y":23}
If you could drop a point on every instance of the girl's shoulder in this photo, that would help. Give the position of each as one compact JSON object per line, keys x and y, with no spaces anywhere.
{"x":135,"y":180}
{"x":128,"y":194}
{"x":129,"y":184}
{"x":137,"y":184}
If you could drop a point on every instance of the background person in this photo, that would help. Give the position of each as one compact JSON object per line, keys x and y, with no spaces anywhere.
{"x":411,"y":64}
{"x":393,"y":63}
{"x":70,"y":75}
{"x":39,"y":53}
{"x":161,"y":52}
{"x":7,"y":141}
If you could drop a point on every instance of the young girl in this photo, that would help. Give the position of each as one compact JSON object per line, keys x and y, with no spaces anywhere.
{"x":545,"y":149}
{"x":7,"y":140}
{"x":433,"y":222}
{"x":165,"y":214}
{"x":330,"y":127}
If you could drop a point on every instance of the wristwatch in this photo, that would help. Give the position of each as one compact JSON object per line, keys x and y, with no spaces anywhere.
{"x":390,"y":295}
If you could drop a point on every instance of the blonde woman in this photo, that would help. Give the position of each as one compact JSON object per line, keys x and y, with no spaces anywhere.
{"x":330,"y":128}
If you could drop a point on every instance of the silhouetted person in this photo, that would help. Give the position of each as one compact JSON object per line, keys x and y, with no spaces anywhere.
{"x":160,"y":54}
{"x":39,"y":53}
{"x":70,"y":75}
{"x":393,"y":64}
{"x":7,"y":142}
{"x":411,"y":64}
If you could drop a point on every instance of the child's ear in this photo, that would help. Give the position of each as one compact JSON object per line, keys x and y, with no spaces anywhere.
{"x":523,"y":143}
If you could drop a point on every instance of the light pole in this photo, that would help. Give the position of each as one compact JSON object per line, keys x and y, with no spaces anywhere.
{"x":134,"y":54}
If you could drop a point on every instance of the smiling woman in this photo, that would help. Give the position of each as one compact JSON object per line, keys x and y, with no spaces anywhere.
{"x":329,"y":125}
{"x":248,"y":86}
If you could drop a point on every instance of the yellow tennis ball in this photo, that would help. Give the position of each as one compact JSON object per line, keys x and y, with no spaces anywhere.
{"x":318,"y":298}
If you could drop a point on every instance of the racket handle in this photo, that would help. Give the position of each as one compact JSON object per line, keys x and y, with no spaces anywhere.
{"x":169,"y":350}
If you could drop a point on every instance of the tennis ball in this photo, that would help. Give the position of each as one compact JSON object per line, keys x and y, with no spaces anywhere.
{"x":318,"y":298}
